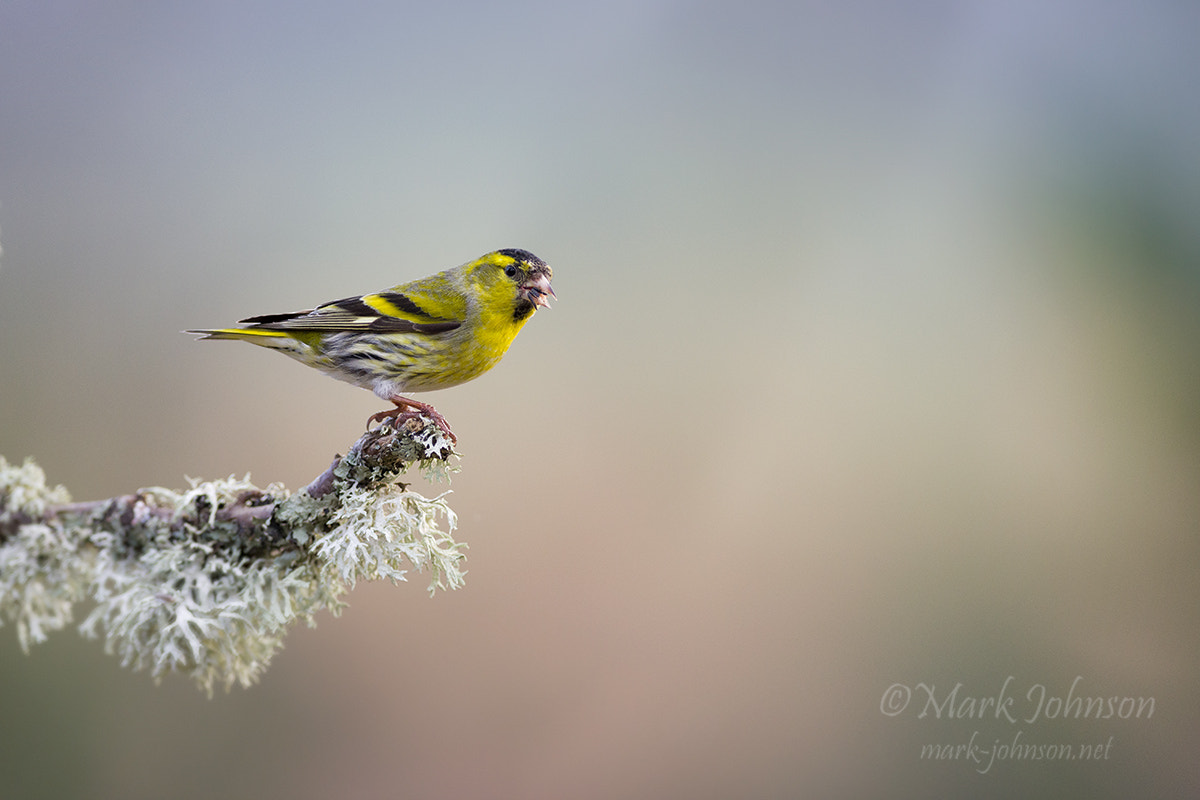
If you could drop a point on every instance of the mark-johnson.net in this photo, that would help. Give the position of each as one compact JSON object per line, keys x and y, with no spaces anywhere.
{"x":1014,"y":705}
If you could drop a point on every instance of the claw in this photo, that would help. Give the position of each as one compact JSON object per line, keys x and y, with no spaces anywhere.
{"x":406,"y":409}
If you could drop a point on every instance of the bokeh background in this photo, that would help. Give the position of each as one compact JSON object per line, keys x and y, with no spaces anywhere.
{"x":876,"y":361}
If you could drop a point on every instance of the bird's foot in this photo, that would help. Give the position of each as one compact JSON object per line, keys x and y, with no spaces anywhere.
{"x":407,"y":409}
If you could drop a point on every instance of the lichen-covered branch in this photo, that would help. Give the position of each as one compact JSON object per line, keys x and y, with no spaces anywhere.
{"x":207,"y":581}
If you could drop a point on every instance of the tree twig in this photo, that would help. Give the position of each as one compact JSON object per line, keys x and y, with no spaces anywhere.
{"x":206,"y":581}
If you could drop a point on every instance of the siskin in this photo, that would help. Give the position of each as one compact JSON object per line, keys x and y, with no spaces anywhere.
{"x":429,"y":334}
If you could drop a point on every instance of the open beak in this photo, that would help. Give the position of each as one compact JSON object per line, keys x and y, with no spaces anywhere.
{"x":538,"y":290}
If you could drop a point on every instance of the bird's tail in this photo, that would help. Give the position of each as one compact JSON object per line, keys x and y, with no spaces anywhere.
{"x":242,"y":334}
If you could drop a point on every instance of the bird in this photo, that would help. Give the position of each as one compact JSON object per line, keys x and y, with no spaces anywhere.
{"x":428,"y":334}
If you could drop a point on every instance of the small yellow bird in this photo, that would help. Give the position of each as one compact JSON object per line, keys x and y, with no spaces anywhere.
{"x":429,"y":334}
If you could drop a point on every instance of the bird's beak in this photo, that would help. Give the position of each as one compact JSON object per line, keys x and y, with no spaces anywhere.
{"x":538,"y":290}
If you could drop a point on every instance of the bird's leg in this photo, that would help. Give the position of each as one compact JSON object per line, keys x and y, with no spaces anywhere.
{"x":407,"y":408}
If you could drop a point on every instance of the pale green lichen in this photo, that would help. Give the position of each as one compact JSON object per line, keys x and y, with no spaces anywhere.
{"x":42,"y":569}
{"x":369,"y":539}
{"x":207,"y":581}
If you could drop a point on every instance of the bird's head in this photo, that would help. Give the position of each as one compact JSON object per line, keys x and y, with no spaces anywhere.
{"x":523,"y":276}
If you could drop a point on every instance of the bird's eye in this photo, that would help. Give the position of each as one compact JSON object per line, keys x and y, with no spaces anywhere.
{"x":511,"y":271}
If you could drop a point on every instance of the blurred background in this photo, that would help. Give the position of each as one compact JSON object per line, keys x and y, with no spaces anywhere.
{"x":876,"y":361}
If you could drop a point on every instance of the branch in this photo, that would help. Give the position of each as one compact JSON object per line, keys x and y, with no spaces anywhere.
{"x":208,"y":581}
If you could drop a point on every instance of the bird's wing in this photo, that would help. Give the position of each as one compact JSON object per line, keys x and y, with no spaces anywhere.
{"x":385,"y":312}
